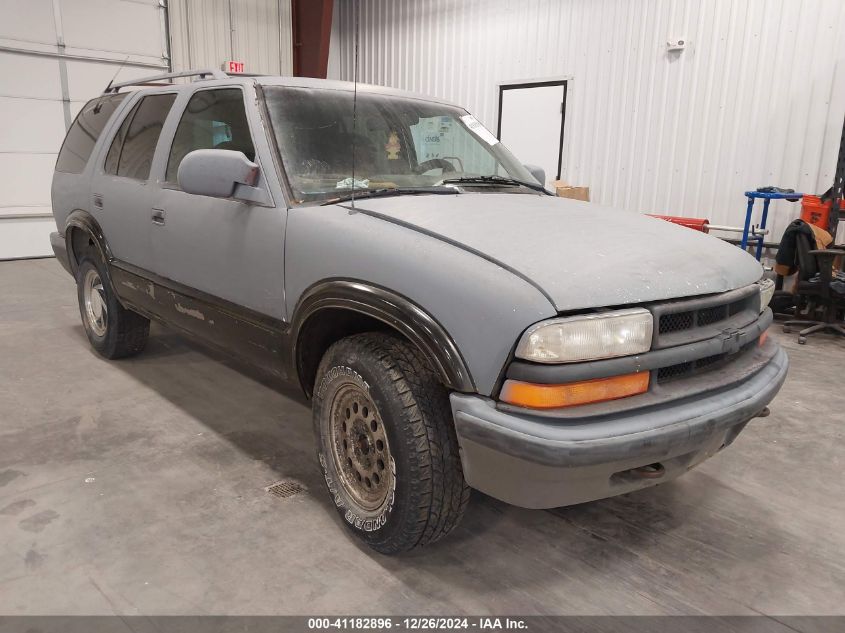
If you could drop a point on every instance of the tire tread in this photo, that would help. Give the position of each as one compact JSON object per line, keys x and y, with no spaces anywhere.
{"x":441,"y":492}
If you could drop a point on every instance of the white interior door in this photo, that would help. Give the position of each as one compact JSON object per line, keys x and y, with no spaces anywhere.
{"x":531,"y":122}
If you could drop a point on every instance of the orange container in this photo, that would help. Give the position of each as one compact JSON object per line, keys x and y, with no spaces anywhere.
{"x":814,"y":211}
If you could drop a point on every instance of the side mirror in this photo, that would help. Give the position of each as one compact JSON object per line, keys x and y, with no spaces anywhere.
{"x":538,"y":173}
{"x":220,"y":173}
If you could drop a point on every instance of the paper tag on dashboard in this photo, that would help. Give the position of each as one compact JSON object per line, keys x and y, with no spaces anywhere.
{"x":479,"y":130}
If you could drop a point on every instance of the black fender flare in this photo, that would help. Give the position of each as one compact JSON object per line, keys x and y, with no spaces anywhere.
{"x":393,"y":309}
{"x":83,"y":220}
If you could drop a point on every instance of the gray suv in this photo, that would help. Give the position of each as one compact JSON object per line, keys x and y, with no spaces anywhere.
{"x":454,"y":325}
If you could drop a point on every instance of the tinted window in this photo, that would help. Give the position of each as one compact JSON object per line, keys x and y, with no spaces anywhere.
{"x":213,"y":119}
{"x":113,"y":156}
{"x":131,"y":151}
{"x":83,"y":134}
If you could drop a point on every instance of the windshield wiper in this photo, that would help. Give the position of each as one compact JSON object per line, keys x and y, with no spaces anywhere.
{"x":391,"y":191}
{"x":493,"y":180}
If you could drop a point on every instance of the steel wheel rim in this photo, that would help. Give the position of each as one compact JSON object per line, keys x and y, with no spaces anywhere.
{"x":96,"y":308}
{"x":360,"y":449}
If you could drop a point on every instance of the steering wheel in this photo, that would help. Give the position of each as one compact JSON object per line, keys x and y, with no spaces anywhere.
{"x":434,"y":163}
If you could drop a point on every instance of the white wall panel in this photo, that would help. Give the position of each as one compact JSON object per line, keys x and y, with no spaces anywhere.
{"x":57,"y":54}
{"x":18,"y":235}
{"x":26,"y":176}
{"x":262,"y":35}
{"x":54,"y":56}
{"x":121,"y":26}
{"x":42,"y":71}
{"x":285,"y":38}
{"x":204,"y":33}
{"x":757,"y":98}
{"x":199,"y":33}
{"x":87,"y":80}
{"x":25,"y":220}
{"x":44,"y":138}
{"x":27,"y":21}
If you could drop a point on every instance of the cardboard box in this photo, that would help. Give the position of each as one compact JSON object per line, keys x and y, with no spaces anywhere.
{"x":568,"y":191}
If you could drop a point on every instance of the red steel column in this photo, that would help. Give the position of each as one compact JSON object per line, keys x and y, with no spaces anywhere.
{"x":312,"y":28}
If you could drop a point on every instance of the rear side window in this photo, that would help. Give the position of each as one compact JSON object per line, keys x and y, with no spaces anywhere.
{"x":83,"y":134}
{"x":131,"y":151}
{"x":213,"y":119}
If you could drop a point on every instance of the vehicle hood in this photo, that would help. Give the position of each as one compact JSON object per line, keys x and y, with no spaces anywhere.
{"x":581,"y":255}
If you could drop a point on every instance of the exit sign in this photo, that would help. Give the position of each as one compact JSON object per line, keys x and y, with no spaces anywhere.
{"x":233,"y":67}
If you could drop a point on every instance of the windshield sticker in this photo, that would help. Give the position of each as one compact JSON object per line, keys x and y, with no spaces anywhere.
{"x":393,"y":147}
{"x":346,"y":183}
{"x":479,"y":130}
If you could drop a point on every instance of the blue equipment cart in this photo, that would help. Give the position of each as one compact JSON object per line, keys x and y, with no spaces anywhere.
{"x":767,"y":197}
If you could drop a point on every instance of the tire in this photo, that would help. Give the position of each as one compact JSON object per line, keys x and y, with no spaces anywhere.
{"x":376,"y":393}
{"x":112,"y":330}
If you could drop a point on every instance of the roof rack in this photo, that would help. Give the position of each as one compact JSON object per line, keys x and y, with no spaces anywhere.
{"x":201,"y":74}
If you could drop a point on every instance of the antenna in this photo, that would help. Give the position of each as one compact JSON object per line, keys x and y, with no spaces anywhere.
{"x":354,"y":103}
{"x":117,"y":72}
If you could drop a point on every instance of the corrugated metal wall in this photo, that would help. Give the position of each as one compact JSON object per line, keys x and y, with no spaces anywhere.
{"x":204,"y":33}
{"x":757,"y":98}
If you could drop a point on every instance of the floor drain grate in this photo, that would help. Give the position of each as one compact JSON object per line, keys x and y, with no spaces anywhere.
{"x":284,"y":489}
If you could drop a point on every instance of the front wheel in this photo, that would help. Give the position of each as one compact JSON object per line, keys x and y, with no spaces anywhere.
{"x":386,"y":443}
{"x":112,"y":330}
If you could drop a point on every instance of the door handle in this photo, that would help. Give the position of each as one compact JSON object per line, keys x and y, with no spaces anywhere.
{"x":158,"y":216}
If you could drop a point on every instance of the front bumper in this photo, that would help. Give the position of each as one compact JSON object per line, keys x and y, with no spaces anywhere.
{"x":537,"y":461}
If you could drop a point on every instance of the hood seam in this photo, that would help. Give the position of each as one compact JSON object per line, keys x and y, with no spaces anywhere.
{"x":457,"y":244}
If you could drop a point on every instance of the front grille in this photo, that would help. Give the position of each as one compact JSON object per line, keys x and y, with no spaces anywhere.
{"x":709,"y":360}
{"x":680,"y":321}
{"x":708,"y":316}
{"x":736,"y":307}
{"x":686,"y":321}
{"x":665,"y":374}
{"x":708,"y":363}
{"x":676,"y":322}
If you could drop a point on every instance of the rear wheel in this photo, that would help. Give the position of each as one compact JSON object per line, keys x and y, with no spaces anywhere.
{"x":386,"y":443}
{"x":112,"y":330}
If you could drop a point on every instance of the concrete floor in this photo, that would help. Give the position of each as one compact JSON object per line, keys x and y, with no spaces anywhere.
{"x":137,"y":487}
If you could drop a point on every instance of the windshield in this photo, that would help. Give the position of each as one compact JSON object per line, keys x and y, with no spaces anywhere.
{"x":399,"y":143}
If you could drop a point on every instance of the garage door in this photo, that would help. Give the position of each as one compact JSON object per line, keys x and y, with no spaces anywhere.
{"x":54,"y":56}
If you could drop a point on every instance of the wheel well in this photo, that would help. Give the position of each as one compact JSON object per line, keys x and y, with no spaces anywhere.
{"x":324,"y":328}
{"x":80,"y":242}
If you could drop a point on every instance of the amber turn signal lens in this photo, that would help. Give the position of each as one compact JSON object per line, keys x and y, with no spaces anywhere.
{"x":537,"y":396}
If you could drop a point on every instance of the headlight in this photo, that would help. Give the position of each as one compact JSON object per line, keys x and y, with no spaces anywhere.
{"x":767,"y":291}
{"x":588,"y":337}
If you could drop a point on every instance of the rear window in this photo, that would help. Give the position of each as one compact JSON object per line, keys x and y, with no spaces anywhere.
{"x":83,"y":134}
{"x":131,"y":152}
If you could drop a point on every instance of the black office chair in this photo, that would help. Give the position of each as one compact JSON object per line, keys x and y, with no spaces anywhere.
{"x":818,"y":294}
{"x":785,"y":304}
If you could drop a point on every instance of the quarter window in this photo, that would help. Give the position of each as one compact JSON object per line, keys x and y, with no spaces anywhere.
{"x":213,"y":119}
{"x":131,"y":152}
{"x":83,"y":134}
